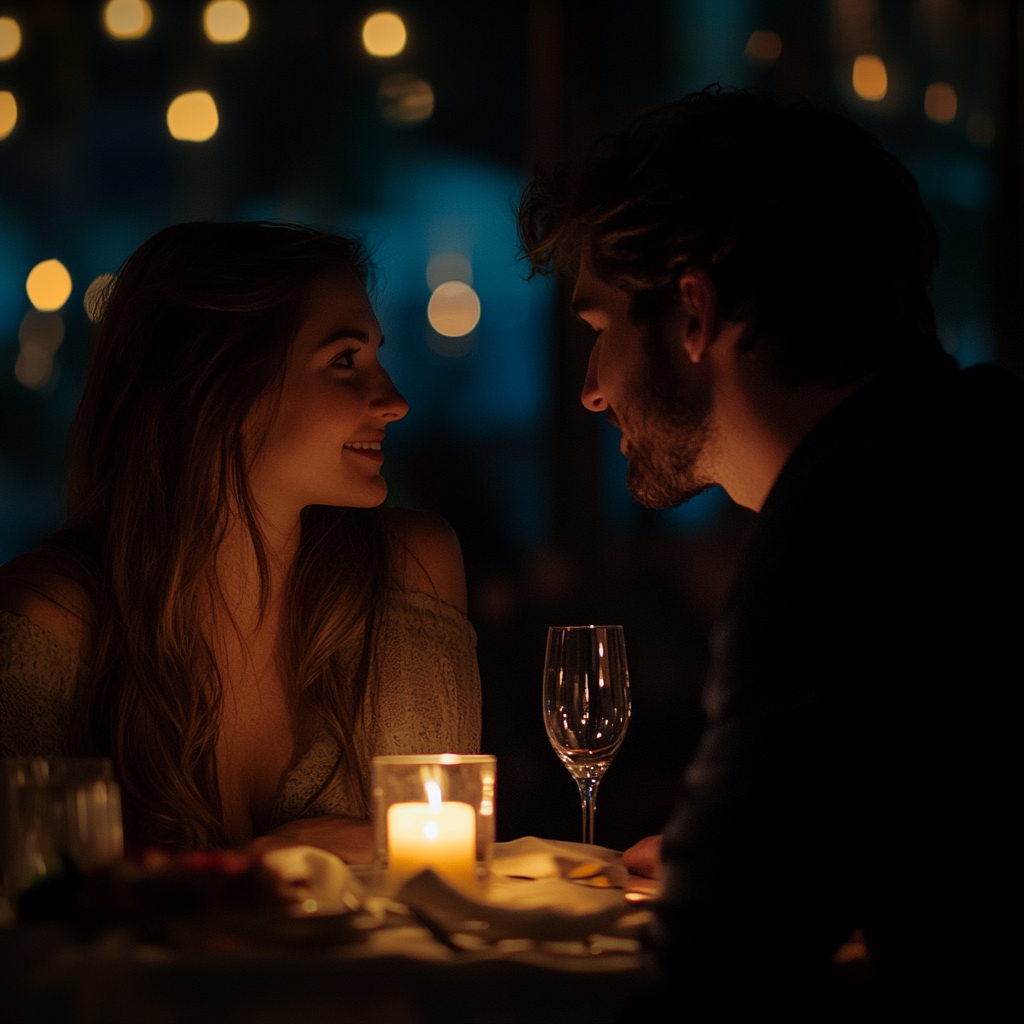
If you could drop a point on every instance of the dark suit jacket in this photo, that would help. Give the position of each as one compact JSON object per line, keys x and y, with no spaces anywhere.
{"x":861,"y":765}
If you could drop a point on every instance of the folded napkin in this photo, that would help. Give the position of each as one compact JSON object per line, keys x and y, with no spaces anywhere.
{"x":539,"y":889}
{"x":315,"y":881}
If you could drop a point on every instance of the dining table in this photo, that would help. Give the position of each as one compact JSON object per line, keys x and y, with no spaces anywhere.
{"x":555,"y":935}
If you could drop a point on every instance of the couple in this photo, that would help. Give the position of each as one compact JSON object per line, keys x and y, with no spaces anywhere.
{"x":757,"y":279}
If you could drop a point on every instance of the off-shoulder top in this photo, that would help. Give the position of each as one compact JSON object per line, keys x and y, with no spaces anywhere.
{"x":427,"y":700}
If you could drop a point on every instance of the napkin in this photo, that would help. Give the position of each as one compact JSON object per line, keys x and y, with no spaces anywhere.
{"x":539,"y":889}
{"x":316,"y":881}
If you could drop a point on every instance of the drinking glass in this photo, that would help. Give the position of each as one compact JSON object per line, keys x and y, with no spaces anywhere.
{"x":586,"y":704}
{"x":54,"y":810}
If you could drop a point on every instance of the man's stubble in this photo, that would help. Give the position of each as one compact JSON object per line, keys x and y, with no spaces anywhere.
{"x":674,"y":431}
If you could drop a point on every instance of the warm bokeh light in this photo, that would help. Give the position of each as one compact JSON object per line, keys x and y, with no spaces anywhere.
{"x":405,"y":99}
{"x":127,"y":19}
{"x":454,"y":309}
{"x":226,"y":21}
{"x":40,"y":333}
{"x":448,"y":266}
{"x":10,"y":38}
{"x":96,"y":296}
{"x":384,"y":34}
{"x":48,"y":285}
{"x":8,"y":113}
{"x":870,"y":80}
{"x":940,"y":102}
{"x":764,"y":47}
{"x":192,"y":116}
{"x":981,"y":128}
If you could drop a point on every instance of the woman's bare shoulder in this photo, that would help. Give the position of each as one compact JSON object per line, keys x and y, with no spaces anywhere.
{"x":39,"y":586}
{"x":427,"y":555}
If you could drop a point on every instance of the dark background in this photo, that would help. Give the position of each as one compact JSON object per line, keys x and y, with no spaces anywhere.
{"x":496,"y":441}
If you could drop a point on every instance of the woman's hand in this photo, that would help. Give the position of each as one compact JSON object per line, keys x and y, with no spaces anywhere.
{"x":348,"y":838}
{"x":644,"y":858}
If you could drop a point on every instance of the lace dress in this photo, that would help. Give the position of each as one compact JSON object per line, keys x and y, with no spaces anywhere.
{"x":427,"y":701}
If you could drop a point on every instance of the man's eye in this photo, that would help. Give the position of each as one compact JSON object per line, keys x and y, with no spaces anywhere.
{"x":344,"y":359}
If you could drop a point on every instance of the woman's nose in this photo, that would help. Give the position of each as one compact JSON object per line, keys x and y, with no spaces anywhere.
{"x":388,"y":403}
{"x":592,"y":397}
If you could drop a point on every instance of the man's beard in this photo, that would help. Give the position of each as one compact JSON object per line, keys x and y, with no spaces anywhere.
{"x":669,"y":435}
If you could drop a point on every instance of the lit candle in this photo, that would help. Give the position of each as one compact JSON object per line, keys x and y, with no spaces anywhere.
{"x":437,"y":835}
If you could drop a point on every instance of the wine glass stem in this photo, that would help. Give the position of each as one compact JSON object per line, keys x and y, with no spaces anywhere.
{"x":588,"y":801}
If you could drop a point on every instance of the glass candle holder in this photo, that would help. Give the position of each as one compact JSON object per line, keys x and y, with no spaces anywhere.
{"x":434,"y":811}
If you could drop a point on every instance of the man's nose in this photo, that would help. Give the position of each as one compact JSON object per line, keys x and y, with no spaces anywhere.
{"x":592,"y":398}
{"x":388,"y":403}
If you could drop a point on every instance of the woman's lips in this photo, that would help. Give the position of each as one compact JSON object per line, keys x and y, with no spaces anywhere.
{"x":367,"y":449}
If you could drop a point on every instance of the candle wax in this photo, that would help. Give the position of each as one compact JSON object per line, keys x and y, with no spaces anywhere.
{"x":440,"y":836}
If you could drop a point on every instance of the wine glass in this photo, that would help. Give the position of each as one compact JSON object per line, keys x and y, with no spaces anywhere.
{"x":586,"y":704}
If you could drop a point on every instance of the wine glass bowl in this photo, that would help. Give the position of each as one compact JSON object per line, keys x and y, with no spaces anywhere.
{"x":586,"y":704}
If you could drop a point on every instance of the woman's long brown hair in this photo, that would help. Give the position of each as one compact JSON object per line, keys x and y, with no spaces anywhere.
{"x":196,"y":328}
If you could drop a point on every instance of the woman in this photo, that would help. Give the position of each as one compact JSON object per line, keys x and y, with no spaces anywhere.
{"x":227,"y":613}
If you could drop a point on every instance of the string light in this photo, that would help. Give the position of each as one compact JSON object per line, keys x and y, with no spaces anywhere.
{"x":764,"y":47}
{"x":384,"y":34}
{"x":39,"y":337}
{"x":940,"y":102}
{"x":226,"y":21}
{"x":870,"y":79}
{"x":405,"y":99}
{"x":10,"y":38}
{"x":454,"y":309}
{"x":448,"y":266}
{"x":193,"y":117}
{"x":8,"y":113}
{"x":127,"y":19}
{"x":48,"y":285}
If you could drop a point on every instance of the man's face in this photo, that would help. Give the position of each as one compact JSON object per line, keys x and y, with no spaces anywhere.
{"x":633,"y":377}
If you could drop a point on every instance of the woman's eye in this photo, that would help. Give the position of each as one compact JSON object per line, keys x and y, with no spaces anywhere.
{"x":345,"y":359}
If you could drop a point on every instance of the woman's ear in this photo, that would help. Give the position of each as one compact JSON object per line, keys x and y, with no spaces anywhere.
{"x":698,"y":301}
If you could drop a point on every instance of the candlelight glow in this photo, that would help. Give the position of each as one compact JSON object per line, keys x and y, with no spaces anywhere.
{"x":940,"y":102}
{"x":226,"y":21}
{"x":48,"y":285}
{"x":870,"y":79}
{"x":10,"y":38}
{"x":764,"y":47}
{"x":127,"y":19}
{"x":454,"y":309}
{"x":192,"y":117}
{"x":384,"y":34}
{"x":8,"y":113}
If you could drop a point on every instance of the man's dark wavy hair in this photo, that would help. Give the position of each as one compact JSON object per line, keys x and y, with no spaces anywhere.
{"x":813,"y":234}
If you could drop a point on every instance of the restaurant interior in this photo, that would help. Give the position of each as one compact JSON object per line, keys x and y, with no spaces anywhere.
{"x":416,"y":126}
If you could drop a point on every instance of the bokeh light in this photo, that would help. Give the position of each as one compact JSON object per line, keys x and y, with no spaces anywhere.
{"x":10,"y":38}
{"x":981,"y":128}
{"x":764,"y":47}
{"x":870,"y":79}
{"x":96,"y":296}
{"x":127,"y":19}
{"x":405,"y":99}
{"x":48,"y":285}
{"x":940,"y":102}
{"x":39,"y":337}
{"x":8,"y":113}
{"x":454,"y":309}
{"x":384,"y":34}
{"x":226,"y":21}
{"x":192,"y":116}
{"x":448,"y":266}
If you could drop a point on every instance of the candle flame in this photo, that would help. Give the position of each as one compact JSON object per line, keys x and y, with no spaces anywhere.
{"x":433,"y":796}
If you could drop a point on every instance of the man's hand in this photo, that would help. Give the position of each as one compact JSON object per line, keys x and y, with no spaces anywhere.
{"x":348,"y":838}
{"x":644,"y":858}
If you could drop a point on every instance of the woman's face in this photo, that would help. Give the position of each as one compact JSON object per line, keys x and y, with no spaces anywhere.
{"x":324,"y":442}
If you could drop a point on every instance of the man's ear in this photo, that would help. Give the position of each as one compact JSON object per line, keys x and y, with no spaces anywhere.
{"x":698,"y":300}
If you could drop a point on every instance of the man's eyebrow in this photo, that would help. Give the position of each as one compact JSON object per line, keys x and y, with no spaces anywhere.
{"x":346,"y":334}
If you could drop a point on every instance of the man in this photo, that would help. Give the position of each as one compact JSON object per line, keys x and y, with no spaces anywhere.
{"x":757,"y":279}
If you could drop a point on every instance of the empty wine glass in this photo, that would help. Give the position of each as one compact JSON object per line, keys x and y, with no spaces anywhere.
{"x":586,"y":704}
